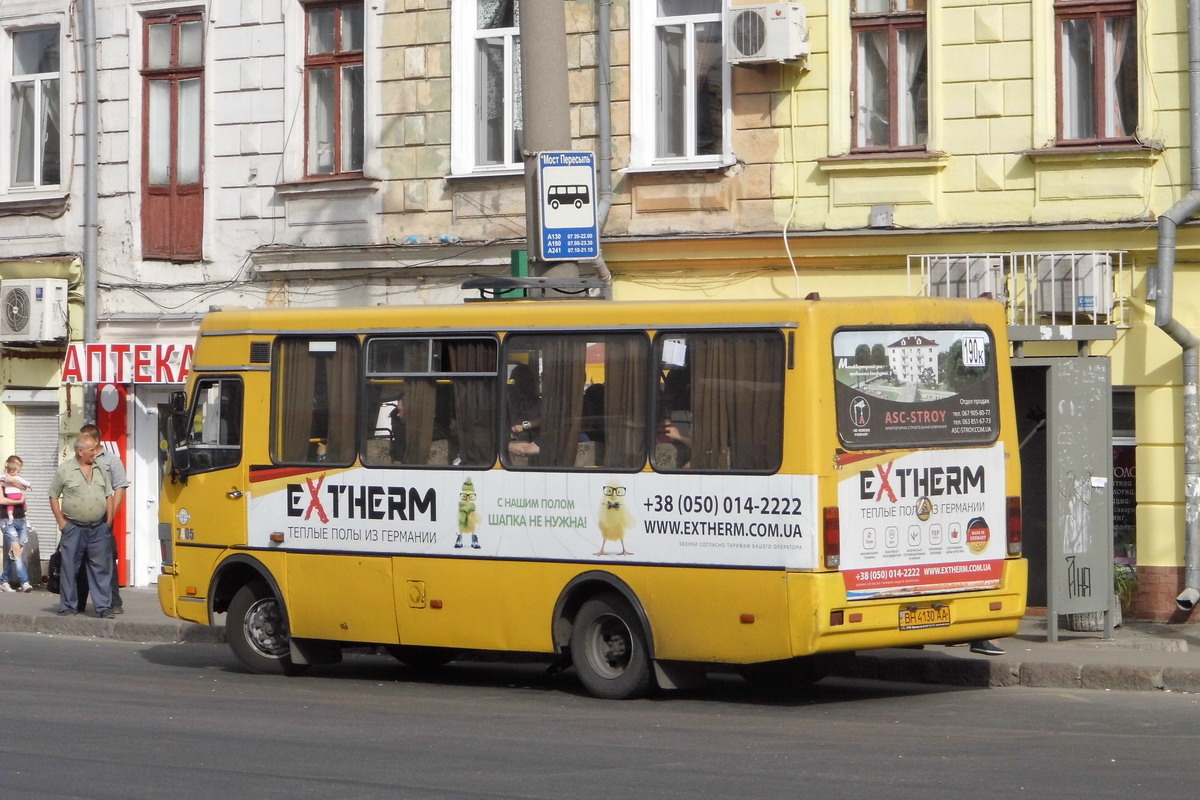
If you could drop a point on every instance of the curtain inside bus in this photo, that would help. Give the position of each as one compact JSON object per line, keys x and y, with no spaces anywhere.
{"x":316,"y":399}
{"x":625,"y":368}
{"x":564,"y":362}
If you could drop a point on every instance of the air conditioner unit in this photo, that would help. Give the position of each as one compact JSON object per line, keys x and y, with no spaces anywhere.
{"x":33,"y":310}
{"x":1073,"y":284}
{"x":966,"y":276}
{"x":774,"y":32}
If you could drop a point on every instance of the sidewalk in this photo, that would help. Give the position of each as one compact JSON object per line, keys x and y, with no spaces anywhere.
{"x":143,"y":620}
{"x":1140,"y":656}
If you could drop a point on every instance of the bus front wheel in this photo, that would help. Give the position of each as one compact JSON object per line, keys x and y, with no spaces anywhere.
{"x":258,"y":633}
{"x":608,"y":649}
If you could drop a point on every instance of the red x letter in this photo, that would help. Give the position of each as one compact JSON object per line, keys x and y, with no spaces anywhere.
{"x":315,"y":503}
{"x":885,"y":470}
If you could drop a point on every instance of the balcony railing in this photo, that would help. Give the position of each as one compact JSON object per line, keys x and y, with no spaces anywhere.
{"x":1078,"y":288}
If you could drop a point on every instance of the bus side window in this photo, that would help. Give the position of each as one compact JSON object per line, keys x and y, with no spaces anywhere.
{"x":720,"y":402}
{"x":314,"y":400}
{"x":431,"y":402}
{"x":215,"y":431}
{"x":591,"y":403}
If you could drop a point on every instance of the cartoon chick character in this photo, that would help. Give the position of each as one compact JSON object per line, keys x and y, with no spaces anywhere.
{"x":614,"y":517}
{"x":468,"y":517}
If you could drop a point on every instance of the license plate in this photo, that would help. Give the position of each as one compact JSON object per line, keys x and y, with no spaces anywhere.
{"x":912,"y":619}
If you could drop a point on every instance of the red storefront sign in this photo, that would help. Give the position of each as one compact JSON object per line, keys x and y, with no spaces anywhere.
{"x":127,"y":363}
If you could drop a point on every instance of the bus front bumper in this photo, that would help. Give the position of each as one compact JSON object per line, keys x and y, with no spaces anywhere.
{"x":167,"y":595}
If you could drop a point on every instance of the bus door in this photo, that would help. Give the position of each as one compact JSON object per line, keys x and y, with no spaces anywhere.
{"x":208,"y":454}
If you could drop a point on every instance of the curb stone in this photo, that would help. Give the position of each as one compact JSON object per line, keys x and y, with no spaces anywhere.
{"x":1108,"y":676}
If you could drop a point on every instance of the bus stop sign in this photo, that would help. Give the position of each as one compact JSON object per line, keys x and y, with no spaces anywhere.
{"x":568,"y":226}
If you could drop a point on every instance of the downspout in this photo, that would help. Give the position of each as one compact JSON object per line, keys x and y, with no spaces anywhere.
{"x":603,"y":127}
{"x":91,"y":128}
{"x":1168,"y":224}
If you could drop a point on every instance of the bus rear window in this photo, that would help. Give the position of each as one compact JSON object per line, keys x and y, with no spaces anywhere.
{"x":907,"y":387}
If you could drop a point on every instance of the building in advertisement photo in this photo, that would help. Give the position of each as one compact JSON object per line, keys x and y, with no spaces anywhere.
{"x":913,"y":359}
{"x":172,"y":157}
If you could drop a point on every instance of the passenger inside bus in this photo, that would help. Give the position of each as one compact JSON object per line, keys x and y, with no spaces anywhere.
{"x":524,"y":407}
{"x":395,"y":427}
{"x":592,"y":420}
{"x":675,"y":419}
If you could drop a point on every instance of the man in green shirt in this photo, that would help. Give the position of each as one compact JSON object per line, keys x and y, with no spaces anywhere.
{"x":81,"y":498}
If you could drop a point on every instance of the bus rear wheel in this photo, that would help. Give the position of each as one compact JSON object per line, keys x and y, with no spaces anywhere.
{"x":258,"y":632}
{"x":608,"y":649}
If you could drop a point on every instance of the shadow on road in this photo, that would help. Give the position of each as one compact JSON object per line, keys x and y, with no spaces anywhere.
{"x":537,"y":674}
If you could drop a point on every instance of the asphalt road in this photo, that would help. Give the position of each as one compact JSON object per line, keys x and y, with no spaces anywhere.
{"x":97,"y":719}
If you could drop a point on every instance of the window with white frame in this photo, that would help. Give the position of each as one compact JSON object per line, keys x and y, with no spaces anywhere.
{"x":680,"y":83}
{"x":35,"y":118}
{"x":891,"y":88}
{"x":334,"y":99}
{"x":1097,"y":70}
{"x":486,"y":104}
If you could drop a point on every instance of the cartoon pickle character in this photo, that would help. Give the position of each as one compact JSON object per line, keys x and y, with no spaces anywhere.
{"x":468,"y":517}
{"x":614,"y":517}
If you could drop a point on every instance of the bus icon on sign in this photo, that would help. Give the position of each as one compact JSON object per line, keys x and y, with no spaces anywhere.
{"x":577,"y":196}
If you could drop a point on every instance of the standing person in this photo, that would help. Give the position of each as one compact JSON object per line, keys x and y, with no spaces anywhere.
{"x":16,"y":531}
{"x":81,"y":500}
{"x":117,"y":478}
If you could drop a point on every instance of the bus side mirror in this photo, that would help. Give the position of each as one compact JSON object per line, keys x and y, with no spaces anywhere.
{"x":177,"y":445}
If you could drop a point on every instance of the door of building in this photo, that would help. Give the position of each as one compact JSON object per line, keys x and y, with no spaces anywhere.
{"x":145,"y":475}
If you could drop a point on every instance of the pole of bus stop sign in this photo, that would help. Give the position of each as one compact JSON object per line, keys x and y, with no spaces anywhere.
{"x":546,"y":113}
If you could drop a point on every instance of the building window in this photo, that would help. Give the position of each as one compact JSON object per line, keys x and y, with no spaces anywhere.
{"x":679,"y":83}
{"x":333,"y":84}
{"x":1097,"y":70}
{"x":487,"y":92}
{"x":891,"y":88}
{"x":36,"y":137}
{"x":172,"y":144}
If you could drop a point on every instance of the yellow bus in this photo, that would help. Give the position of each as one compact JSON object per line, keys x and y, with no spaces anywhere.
{"x":642,"y":490}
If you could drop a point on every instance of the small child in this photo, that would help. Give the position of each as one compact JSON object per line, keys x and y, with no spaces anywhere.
{"x":14,"y":486}
{"x":16,"y":532}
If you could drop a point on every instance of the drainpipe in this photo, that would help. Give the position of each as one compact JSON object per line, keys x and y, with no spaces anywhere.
{"x":1168,"y":223}
{"x":603,"y":127}
{"x":91,"y":127}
